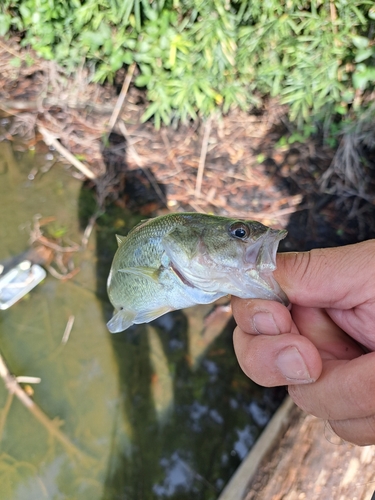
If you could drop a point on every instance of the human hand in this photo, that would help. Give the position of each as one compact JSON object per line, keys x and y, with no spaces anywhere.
{"x":322,"y":347}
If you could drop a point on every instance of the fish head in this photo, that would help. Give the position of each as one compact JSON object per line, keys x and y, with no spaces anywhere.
{"x":247,"y":243}
{"x":237,"y":256}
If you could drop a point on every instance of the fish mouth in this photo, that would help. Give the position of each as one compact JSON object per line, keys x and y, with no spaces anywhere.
{"x":262,"y":259}
{"x":262,"y":253}
{"x":181,"y":276}
{"x":253,"y":280}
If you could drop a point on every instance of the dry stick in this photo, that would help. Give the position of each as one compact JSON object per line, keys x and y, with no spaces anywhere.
{"x":54,"y":246}
{"x":68,"y":329}
{"x":167,"y":145}
{"x":50,"y":140}
{"x":8,"y":49}
{"x":333,"y":11}
{"x":48,"y":102}
{"x":60,"y":276}
{"x":112,"y":121}
{"x":121,"y":98}
{"x":14,"y":388}
{"x":88,"y":230}
{"x":4,"y":413}
{"x":125,"y":133}
{"x":196,"y":207}
{"x":202,"y":159}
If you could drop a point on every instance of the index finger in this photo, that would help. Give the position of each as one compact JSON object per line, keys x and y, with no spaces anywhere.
{"x":340,"y":277}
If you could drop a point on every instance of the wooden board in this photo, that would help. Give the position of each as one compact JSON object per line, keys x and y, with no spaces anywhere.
{"x":304,"y":461}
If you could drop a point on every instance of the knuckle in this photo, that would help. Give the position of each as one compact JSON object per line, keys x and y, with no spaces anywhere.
{"x":360,"y":432}
{"x":305,"y":398}
{"x":308,"y":265}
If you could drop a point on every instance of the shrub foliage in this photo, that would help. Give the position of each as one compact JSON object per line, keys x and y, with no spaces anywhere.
{"x":201,"y":56}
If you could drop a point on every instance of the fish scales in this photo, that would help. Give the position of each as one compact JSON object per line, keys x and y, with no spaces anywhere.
{"x":179,"y":260}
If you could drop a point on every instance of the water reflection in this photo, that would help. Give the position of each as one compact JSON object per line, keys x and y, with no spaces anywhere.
{"x":159,"y":411}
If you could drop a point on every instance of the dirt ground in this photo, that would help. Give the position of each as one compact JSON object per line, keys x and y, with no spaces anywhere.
{"x":233,"y":166}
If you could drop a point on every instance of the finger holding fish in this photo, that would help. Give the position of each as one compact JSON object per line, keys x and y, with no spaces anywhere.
{"x":269,"y":346}
{"x":293,"y":344}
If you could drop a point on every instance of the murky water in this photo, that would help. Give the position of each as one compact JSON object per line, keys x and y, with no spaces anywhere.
{"x":159,"y":411}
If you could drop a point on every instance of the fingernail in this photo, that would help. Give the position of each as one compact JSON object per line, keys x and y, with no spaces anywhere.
{"x":263,"y":322}
{"x":292,"y":365}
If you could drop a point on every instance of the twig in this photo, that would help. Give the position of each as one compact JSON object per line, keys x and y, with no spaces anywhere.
{"x":60,"y":276}
{"x":202,"y":159}
{"x":36,"y":235}
{"x":4,"y":413}
{"x":68,"y":329}
{"x":171,"y":155}
{"x":121,"y":98}
{"x":11,"y":51}
{"x":196,"y":207}
{"x":13,"y":387}
{"x":88,"y":230}
{"x":54,"y":246}
{"x":50,"y":140}
{"x":130,"y":145}
{"x":16,"y":105}
{"x":333,"y":13}
{"x":28,"y":380}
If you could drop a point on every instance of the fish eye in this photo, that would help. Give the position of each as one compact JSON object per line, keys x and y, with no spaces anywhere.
{"x":239,"y":230}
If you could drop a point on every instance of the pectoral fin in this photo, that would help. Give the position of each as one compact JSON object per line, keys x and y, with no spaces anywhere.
{"x":121,"y":321}
{"x":147,"y":316}
{"x":124,"y":318}
{"x":144,"y":272}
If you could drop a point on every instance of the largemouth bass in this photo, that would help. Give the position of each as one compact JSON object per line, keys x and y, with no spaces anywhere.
{"x":183,"y":259}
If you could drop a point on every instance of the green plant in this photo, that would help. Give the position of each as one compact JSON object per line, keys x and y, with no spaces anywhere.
{"x":196,"y":57}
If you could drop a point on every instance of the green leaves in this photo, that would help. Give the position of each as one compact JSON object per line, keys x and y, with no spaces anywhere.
{"x":196,"y":57}
{"x":5,"y":23}
{"x":362,"y":76}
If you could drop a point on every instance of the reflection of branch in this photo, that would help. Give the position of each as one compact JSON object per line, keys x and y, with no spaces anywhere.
{"x":11,"y":383}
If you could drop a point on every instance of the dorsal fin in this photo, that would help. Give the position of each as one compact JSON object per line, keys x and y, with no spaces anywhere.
{"x":120,"y":239}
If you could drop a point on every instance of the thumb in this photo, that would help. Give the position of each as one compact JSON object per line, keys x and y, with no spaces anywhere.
{"x":328,"y":277}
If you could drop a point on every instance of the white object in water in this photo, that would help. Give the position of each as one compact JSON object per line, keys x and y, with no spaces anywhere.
{"x":17,"y":282}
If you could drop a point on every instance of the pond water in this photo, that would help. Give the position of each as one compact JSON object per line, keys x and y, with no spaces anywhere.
{"x":161,"y":411}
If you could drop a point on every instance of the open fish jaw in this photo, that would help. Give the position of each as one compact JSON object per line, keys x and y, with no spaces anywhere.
{"x":253,"y":280}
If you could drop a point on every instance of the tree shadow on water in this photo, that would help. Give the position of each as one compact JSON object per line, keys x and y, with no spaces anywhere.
{"x":119,"y":200}
{"x":181,"y":429}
